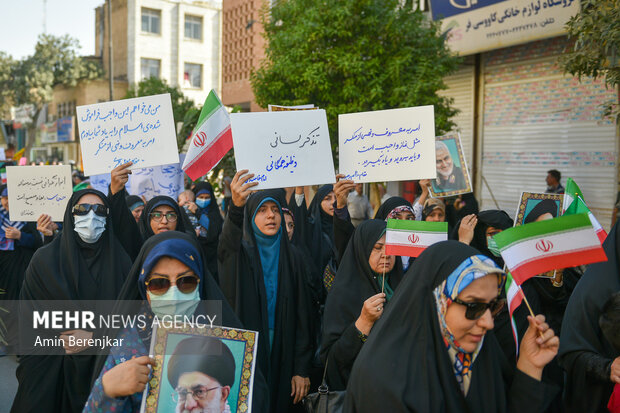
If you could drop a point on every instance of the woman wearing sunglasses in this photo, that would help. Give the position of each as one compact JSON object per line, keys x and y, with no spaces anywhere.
{"x":170,"y":278}
{"x":357,"y":299}
{"x":85,"y":262}
{"x":433,"y":350}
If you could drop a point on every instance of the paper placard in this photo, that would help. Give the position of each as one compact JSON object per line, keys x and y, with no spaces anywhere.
{"x":140,"y":130}
{"x":452,"y":171}
{"x":36,"y":190}
{"x":148,"y":182}
{"x":2,"y":154}
{"x":387,"y":145}
{"x":282,"y":149}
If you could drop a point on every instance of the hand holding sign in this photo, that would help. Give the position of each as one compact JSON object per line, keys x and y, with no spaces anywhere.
{"x":241,"y":188}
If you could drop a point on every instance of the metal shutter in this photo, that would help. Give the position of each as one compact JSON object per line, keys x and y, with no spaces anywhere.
{"x":536,"y":119}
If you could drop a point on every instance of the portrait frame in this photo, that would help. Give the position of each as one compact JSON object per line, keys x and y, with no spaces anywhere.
{"x":242,"y":343}
{"x":527,"y":202}
{"x":453,"y":142}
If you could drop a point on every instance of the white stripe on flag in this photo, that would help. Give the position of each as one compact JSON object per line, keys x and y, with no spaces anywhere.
{"x":212,"y":127}
{"x":564,"y":242}
{"x":413,"y":238}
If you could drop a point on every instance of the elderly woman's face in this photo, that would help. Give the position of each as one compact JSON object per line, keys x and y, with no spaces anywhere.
{"x":380,"y":262}
{"x":268,"y":218}
{"x":469,"y":333}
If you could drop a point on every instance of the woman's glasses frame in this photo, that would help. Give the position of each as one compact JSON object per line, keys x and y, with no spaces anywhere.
{"x":84,"y":209}
{"x":473,"y":311}
{"x":158,"y":216}
{"x":159,"y":285}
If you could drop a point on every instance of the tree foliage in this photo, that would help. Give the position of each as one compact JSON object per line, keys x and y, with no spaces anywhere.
{"x":181,"y":104}
{"x":7,"y":97}
{"x":351,"y":56}
{"x":54,"y":62}
{"x":596,"y":51}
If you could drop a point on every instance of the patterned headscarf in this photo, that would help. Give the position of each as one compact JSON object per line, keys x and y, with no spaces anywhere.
{"x":398,"y":210}
{"x":471,"y":269}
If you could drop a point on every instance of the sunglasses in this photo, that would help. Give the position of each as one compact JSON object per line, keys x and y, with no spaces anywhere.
{"x":160,"y":285}
{"x":84,"y":209}
{"x":157,"y":216}
{"x":474,"y":311}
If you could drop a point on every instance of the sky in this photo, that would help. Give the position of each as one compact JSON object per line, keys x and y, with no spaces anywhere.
{"x":22,"y":22}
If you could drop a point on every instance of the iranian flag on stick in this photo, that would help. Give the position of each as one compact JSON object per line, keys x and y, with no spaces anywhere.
{"x":514,"y":298}
{"x":538,"y":247}
{"x":574,"y":203}
{"x":211,"y":139}
{"x":410,"y":238}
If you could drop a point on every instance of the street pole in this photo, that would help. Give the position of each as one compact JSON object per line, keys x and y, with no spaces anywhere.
{"x":110,"y":67}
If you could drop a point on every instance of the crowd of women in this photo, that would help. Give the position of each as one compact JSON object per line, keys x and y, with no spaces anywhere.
{"x":395,"y":334}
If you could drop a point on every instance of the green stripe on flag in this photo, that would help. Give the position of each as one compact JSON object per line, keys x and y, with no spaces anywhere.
{"x":212,"y":103}
{"x":566,"y":223}
{"x":407,"y":225}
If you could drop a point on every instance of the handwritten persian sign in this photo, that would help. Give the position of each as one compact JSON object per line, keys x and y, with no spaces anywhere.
{"x":475,"y":26}
{"x":286,"y":148}
{"x":36,"y":190}
{"x":147,"y":182}
{"x":139,"y":130}
{"x":388,"y":145}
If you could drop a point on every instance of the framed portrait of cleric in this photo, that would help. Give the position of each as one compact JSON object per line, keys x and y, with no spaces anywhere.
{"x":452,"y":171}
{"x":201,"y":369}
{"x":534,"y":207}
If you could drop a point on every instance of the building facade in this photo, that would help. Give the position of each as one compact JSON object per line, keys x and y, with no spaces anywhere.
{"x":178,"y":41}
{"x":243,"y":48}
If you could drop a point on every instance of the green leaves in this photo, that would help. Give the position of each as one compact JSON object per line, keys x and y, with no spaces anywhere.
{"x":353,"y":55}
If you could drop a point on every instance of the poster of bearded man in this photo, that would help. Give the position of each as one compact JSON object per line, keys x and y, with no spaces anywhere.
{"x":452,"y":172}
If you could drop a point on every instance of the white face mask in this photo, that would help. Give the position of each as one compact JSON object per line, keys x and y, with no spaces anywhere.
{"x":89,"y":227}
{"x":174,"y":302}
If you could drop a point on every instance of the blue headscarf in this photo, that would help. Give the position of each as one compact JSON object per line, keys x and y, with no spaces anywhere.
{"x":269,"y":252}
{"x":179,"y":249}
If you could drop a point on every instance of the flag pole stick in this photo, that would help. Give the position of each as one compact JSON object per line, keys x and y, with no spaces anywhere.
{"x":383,"y":281}
{"x":529,"y":307}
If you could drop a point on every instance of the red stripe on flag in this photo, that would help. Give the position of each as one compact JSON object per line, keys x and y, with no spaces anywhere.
{"x":402,"y":250}
{"x":533,"y":267}
{"x":516,"y":301}
{"x":602,"y":235}
{"x":211,"y":155}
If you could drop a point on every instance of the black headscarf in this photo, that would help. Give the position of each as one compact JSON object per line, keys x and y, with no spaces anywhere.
{"x":491,"y":218}
{"x":404,"y":365}
{"x":133,"y":201}
{"x":210,"y":242}
{"x":389,"y":204}
{"x":241,"y":278}
{"x":543,"y":207}
{"x":469,"y":206}
{"x":68,"y":269}
{"x":321,"y":242}
{"x":183,"y":222}
{"x":355,"y":282}
{"x":581,"y":335}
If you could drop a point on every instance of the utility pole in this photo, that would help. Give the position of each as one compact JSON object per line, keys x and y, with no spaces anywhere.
{"x":110,"y":67}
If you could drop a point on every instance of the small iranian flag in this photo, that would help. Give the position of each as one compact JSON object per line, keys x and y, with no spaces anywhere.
{"x":211,"y":139}
{"x":538,"y":247}
{"x":574,"y":203}
{"x":514,"y":298}
{"x":410,"y":238}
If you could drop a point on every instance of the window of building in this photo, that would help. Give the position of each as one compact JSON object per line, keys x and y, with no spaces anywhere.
{"x":150,"y":67}
{"x":151,"y":21}
{"x":192,"y":75}
{"x":193,"y":27}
